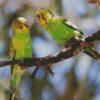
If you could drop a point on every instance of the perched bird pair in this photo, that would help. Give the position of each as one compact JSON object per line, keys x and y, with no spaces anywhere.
{"x":63,"y":30}
{"x":60,"y":29}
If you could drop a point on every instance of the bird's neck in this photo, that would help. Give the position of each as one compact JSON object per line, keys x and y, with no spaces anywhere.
{"x":19,"y":32}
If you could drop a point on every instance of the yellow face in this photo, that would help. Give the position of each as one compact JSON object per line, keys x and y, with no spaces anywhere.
{"x":44,"y":15}
{"x":20,"y":24}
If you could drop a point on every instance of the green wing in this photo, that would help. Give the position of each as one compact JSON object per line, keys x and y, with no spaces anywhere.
{"x":90,"y":50}
{"x":71,"y":25}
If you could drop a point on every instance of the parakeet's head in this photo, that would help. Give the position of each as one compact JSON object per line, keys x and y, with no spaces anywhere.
{"x":44,"y":15}
{"x":20,"y":24}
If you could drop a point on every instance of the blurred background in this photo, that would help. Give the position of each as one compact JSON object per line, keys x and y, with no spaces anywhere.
{"x":77,"y":78}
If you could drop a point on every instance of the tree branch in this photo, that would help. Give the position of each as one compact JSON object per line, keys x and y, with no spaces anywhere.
{"x":75,"y":47}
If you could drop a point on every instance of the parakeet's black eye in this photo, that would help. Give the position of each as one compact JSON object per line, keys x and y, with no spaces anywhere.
{"x":38,"y":16}
{"x":26,"y":25}
{"x":18,"y":25}
{"x":43,"y":16}
{"x":21,"y":27}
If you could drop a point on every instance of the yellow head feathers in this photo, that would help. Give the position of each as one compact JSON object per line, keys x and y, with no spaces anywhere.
{"x":20,"y":24}
{"x":44,"y":15}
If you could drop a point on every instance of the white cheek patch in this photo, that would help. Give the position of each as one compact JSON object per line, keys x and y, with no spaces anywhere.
{"x":71,"y":24}
{"x":49,"y":16}
{"x":21,"y":19}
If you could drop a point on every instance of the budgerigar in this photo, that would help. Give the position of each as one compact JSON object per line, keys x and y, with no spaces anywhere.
{"x":62,"y":30}
{"x":21,"y":47}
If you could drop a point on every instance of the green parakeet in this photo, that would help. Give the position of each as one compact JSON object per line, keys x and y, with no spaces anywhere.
{"x":62,"y":30}
{"x":21,"y":47}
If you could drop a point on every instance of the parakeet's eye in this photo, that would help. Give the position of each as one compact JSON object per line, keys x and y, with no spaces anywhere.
{"x":19,"y":25}
{"x":26,"y":25}
{"x":43,"y":16}
{"x":38,"y":16}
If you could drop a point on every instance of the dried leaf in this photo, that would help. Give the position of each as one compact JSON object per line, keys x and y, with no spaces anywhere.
{"x":95,"y":2}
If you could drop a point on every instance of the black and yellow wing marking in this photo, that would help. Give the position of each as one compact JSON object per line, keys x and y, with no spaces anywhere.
{"x":12,"y":54}
{"x":71,"y":25}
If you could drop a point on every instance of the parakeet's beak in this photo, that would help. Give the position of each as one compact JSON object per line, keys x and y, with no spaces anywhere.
{"x":43,"y":15}
{"x":20,"y":24}
{"x":25,"y":28}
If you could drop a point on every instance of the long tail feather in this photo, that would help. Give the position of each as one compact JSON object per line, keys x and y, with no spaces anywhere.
{"x":12,"y":94}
